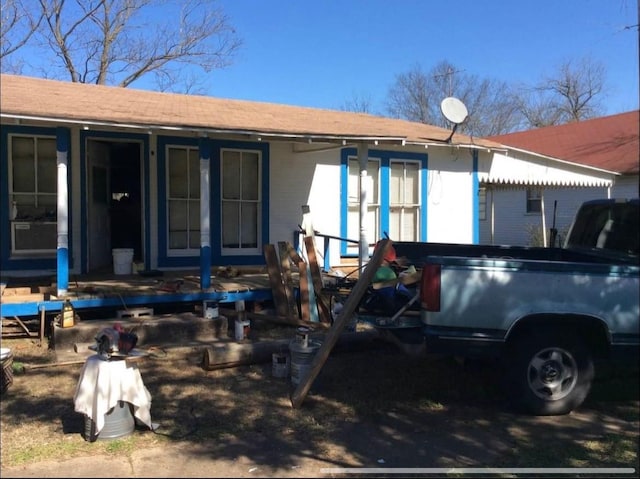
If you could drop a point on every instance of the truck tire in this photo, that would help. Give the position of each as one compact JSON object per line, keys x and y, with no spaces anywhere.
{"x":548,"y":373}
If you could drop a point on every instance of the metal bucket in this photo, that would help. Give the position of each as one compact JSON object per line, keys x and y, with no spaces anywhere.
{"x":118,"y":422}
{"x":301,"y":358}
{"x":280,"y":365}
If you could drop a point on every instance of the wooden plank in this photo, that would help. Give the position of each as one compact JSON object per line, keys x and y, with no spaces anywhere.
{"x":275,"y":280}
{"x":25,"y":298}
{"x":285,"y":267}
{"x":350,"y":306}
{"x":316,"y":276}
{"x":305,"y":312}
{"x":293,"y":254}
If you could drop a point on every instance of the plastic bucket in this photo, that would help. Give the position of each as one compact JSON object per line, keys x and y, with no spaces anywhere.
{"x":242,"y":328}
{"x":210,"y":309}
{"x":301,"y":358}
{"x":122,"y":260}
{"x":7,"y":370}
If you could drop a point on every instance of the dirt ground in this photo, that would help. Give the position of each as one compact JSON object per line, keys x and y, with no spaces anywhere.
{"x":374,"y":408}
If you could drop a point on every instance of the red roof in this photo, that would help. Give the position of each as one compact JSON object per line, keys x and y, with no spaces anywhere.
{"x":609,"y":142}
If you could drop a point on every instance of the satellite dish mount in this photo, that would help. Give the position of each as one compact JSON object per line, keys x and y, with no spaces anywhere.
{"x":454,"y":111}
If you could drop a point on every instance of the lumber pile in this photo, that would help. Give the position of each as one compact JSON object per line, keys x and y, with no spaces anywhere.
{"x":312,"y":306}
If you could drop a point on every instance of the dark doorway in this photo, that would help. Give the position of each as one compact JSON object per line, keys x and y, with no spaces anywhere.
{"x":126,"y":198}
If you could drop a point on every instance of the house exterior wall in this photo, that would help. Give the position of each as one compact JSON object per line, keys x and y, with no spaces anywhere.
{"x":294,"y":174}
{"x":293,"y":178}
{"x":451,"y":196}
{"x":514,"y":226}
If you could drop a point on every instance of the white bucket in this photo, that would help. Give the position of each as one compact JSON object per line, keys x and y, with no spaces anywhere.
{"x":122,"y":260}
{"x":242,"y":328}
{"x":210,"y":309}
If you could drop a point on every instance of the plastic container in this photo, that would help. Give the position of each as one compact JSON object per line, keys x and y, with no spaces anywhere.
{"x":122,"y":260}
{"x":210,"y":309}
{"x":242,"y":328}
{"x":7,"y":370}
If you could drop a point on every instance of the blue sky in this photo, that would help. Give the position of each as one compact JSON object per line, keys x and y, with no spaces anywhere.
{"x":323,"y":53}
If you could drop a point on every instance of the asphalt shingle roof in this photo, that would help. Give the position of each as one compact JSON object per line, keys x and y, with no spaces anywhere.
{"x":79,"y":102}
{"x":610,"y":142}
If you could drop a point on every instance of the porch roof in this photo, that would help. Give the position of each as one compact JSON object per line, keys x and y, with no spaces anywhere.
{"x":539,"y":170}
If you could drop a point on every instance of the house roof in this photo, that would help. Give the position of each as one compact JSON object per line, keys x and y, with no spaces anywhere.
{"x":610,"y":142}
{"x":37,"y":98}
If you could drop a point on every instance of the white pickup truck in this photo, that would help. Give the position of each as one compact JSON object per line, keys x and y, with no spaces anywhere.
{"x":548,"y":313}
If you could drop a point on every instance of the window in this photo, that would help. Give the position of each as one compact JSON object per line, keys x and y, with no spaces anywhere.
{"x":482,"y":203}
{"x":373,"y":200}
{"x":183,"y":199}
{"x":33,"y":194}
{"x":534,"y":200}
{"x":404,"y":208}
{"x":241,"y":201}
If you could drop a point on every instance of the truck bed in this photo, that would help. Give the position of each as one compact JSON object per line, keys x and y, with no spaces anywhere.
{"x":416,"y":253}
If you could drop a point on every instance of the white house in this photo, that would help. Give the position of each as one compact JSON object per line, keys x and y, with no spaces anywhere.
{"x":514,"y":212}
{"x":194,"y":181}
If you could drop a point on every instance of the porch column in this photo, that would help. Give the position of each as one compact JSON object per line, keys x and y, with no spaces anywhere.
{"x":62,"y":220}
{"x":205,"y":214}
{"x":544,"y":219}
{"x":476,"y":200}
{"x":363,"y":158}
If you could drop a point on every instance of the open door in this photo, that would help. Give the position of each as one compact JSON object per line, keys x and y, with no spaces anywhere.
{"x":98,"y":199}
{"x":114,"y":201}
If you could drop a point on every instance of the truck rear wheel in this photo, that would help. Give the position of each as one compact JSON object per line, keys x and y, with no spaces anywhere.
{"x":548,"y":373}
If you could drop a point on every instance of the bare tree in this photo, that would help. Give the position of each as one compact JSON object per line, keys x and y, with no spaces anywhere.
{"x":417,"y":96}
{"x":119,"y":41}
{"x":17,"y":27}
{"x":572,"y":93}
{"x":358,"y":104}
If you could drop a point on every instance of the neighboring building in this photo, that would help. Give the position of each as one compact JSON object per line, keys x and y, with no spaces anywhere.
{"x":194,"y":181}
{"x":608,"y":143}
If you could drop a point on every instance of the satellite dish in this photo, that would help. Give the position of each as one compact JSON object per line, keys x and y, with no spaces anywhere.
{"x":454,"y":111}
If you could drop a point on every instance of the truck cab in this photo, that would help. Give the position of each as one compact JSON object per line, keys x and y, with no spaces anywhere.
{"x":607,"y":225}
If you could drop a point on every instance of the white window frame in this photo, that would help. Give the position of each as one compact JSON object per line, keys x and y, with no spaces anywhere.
{"x":21,"y":198}
{"x":404,"y":207}
{"x":192,"y":201}
{"x":254,"y":202}
{"x":353,"y":201}
{"x":482,"y":203}
{"x":534,"y":197}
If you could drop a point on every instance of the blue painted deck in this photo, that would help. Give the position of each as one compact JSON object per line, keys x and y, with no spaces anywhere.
{"x":123,"y":292}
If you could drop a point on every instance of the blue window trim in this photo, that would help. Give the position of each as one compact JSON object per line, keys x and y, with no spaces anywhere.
{"x":84,"y":239}
{"x":6,"y":263}
{"x":215,"y":147}
{"x":475,"y":220}
{"x":385,"y":158}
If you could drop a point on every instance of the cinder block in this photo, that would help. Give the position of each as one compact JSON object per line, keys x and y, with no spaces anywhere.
{"x":135,"y":313}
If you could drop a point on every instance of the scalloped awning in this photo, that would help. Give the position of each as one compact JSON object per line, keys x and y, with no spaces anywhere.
{"x":535,"y":170}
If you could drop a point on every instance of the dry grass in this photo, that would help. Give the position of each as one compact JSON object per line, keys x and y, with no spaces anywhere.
{"x":362,"y":405}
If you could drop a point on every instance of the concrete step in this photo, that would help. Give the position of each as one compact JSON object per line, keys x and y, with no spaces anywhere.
{"x":181,"y":328}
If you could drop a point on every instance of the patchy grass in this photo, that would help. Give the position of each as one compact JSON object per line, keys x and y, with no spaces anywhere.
{"x":426,"y":412}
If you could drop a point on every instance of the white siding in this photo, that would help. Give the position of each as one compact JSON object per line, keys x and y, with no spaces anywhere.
{"x":450,"y":196}
{"x":513,"y":226}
